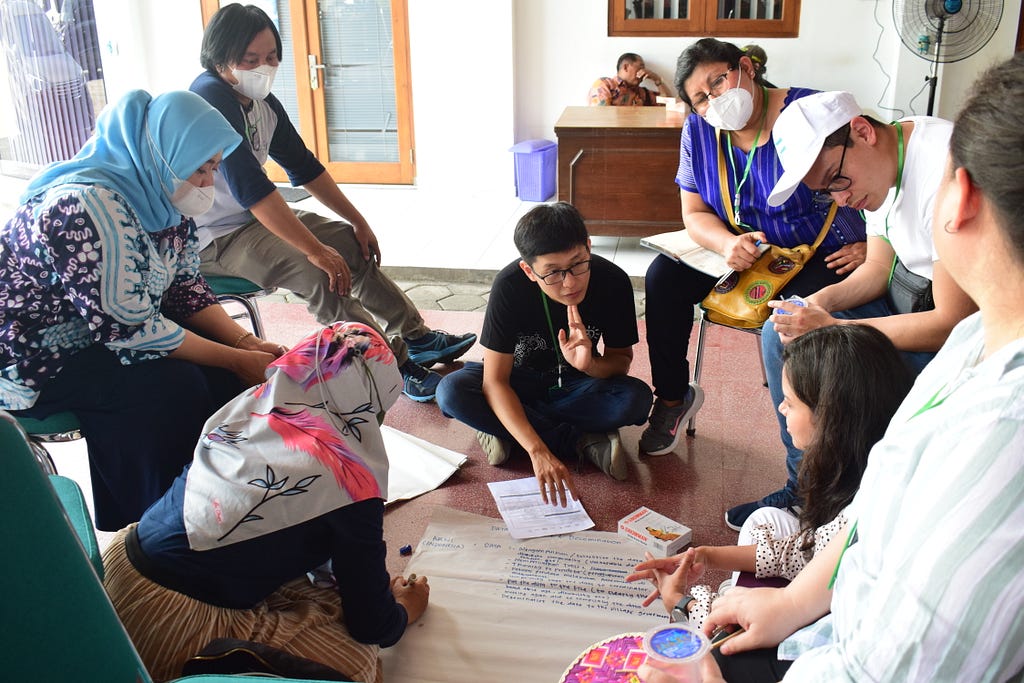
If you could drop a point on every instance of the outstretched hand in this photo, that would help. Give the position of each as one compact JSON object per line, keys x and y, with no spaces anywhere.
{"x":554,"y":479}
{"x":670,"y":576}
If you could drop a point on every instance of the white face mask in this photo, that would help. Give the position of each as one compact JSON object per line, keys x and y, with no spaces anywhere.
{"x":732,"y":109}
{"x":191,"y":200}
{"x":254,"y":83}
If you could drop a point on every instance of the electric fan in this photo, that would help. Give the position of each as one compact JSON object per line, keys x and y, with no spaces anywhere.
{"x":945,"y":30}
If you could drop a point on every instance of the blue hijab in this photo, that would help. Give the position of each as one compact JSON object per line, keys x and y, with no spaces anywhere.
{"x":133,"y":138}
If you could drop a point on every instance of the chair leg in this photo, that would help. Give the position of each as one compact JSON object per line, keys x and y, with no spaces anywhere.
{"x":698,"y":361}
{"x":252,"y":312}
{"x":760,"y":357}
{"x":42,"y":456}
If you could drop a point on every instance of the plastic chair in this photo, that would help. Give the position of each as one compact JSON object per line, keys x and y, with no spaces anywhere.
{"x":703,"y":322}
{"x":242,"y":292}
{"x":56,"y":428}
{"x":61,"y":624}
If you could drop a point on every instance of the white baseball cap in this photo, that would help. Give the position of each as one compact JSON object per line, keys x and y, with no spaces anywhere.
{"x":800,"y":132}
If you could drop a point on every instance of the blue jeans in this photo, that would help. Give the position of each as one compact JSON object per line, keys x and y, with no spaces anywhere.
{"x":771,"y":350}
{"x":559,"y":415}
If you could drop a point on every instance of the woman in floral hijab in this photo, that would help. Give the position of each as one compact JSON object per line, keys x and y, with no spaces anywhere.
{"x":290,"y":475}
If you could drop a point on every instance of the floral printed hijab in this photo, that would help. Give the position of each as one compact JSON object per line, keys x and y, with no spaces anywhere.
{"x":305,"y":442}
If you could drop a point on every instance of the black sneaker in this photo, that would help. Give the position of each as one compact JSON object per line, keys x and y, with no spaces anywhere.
{"x":664,"y":428}
{"x":784,"y":499}
{"x":418,"y":383}
{"x":439,"y":347}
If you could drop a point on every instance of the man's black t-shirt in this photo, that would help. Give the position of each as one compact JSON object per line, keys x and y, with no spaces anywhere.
{"x":515,"y":321}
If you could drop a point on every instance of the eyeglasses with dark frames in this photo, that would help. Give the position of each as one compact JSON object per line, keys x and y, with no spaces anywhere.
{"x":839,"y":182}
{"x":557,"y":276}
{"x":715,"y":89}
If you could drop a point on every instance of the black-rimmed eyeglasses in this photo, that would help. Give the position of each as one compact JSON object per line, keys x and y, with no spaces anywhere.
{"x":839,"y":182}
{"x":557,"y":276}
{"x":714,"y":90}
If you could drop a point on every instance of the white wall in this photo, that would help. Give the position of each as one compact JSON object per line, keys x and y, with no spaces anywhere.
{"x":148,"y":44}
{"x":505,"y":72}
{"x":562,"y":47}
{"x":462,"y":76}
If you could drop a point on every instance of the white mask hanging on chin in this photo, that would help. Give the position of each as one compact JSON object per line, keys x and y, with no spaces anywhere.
{"x":732,"y":109}
{"x":191,"y":200}
{"x":254,"y":83}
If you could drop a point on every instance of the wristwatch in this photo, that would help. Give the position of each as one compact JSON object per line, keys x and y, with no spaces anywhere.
{"x":681,"y":612}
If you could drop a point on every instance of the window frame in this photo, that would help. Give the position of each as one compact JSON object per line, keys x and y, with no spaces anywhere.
{"x":703,"y":21}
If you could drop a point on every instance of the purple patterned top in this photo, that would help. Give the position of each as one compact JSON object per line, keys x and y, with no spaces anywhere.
{"x":77,"y":269}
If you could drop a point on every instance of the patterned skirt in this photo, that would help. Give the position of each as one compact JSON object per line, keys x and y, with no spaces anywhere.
{"x":168,"y":627}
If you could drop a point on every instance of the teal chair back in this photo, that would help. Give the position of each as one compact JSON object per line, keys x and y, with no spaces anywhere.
{"x":59,"y":624}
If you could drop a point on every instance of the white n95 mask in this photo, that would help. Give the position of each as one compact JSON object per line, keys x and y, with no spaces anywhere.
{"x":732,"y":109}
{"x":254,"y":83}
{"x":191,"y":200}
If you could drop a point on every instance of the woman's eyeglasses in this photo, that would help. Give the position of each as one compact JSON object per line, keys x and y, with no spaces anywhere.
{"x":700,"y":102}
{"x":252,"y":132}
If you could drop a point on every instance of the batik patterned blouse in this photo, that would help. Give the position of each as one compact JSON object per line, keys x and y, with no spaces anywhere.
{"x":77,"y":269}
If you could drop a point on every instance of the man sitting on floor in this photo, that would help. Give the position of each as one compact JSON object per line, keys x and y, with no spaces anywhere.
{"x":543,"y":384}
{"x":891,"y":171}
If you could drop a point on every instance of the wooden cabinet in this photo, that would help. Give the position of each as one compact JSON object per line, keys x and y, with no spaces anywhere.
{"x":618,"y":165}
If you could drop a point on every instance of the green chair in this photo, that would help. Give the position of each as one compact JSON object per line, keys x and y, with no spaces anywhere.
{"x":243,"y":292}
{"x":55,"y":428}
{"x":60,"y":624}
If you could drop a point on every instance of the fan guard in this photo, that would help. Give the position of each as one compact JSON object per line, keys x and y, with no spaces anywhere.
{"x":958,"y":28}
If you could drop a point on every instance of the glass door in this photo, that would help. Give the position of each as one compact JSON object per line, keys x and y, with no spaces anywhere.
{"x":348,"y":89}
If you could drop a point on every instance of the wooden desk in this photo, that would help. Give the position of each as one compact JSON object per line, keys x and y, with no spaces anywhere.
{"x":618,"y":165}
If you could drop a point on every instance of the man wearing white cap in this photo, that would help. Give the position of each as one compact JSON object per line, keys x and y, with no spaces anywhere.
{"x":892,"y":172}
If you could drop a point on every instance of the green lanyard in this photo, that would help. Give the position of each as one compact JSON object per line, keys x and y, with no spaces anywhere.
{"x":900,"y":154}
{"x":554,"y":339}
{"x":850,"y":538}
{"x":750,"y":158}
{"x":933,"y":402}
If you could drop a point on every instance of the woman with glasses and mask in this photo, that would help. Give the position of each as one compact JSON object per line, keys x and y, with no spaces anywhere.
{"x":729,"y":135}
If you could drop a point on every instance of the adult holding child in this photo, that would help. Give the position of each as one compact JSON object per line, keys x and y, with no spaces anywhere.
{"x":925,"y":582}
{"x":842,"y":385}
{"x":103,"y":310}
{"x":892,"y":172}
{"x":334,"y":265}
{"x":729,"y":137}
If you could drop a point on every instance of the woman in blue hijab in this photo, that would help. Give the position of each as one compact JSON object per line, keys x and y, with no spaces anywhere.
{"x":103,"y":311}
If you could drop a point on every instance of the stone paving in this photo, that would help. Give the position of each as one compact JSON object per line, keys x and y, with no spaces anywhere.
{"x":435,"y":295}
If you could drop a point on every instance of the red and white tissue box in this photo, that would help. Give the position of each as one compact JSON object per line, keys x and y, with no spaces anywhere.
{"x":659,"y":534}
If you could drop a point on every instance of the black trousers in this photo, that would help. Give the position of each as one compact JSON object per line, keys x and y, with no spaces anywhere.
{"x":141,"y":423}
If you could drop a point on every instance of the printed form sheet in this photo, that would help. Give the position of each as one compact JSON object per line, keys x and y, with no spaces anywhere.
{"x":528,"y":516}
{"x":506,"y":610}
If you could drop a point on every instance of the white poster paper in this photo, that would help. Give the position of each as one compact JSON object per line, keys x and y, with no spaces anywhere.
{"x":416,"y":466}
{"x":503,"y":610}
